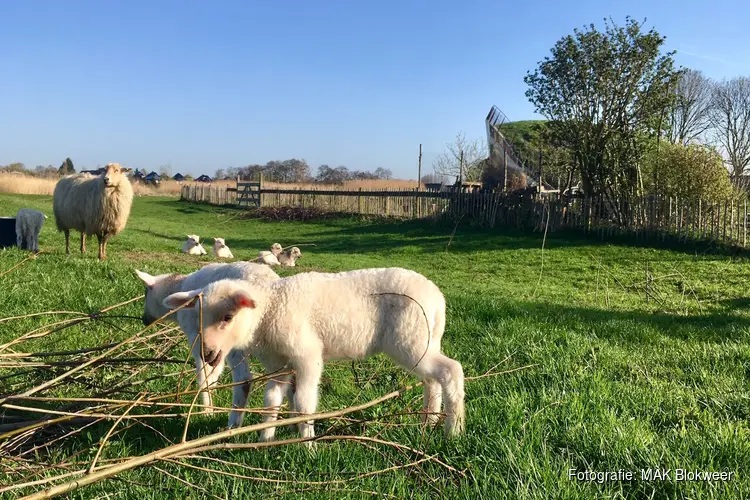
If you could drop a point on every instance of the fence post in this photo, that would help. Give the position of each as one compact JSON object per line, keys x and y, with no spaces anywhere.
{"x":260,"y":190}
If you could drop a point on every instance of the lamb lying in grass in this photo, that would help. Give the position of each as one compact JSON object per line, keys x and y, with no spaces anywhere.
{"x":192,"y":246}
{"x":289,"y":256}
{"x":161,"y":286}
{"x":270,"y":258}
{"x":304,"y":320}
{"x":221,"y":250}
{"x":28,"y":225}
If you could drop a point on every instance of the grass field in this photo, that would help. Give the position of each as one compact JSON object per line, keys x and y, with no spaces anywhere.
{"x":627,"y":373}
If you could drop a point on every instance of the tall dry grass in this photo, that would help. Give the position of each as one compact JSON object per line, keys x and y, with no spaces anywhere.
{"x":26,"y":184}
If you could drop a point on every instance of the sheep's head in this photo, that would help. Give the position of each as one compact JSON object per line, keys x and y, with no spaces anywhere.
{"x":157,"y":289}
{"x":229,"y":316}
{"x":219,"y":242}
{"x":194,"y":239}
{"x":294,"y":253}
{"x":276,"y":249}
{"x":114,"y":174}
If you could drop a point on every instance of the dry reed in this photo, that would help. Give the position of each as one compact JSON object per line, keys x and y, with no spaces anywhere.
{"x":13,"y":183}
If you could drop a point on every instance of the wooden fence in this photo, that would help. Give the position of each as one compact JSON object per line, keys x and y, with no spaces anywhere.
{"x":644,"y":218}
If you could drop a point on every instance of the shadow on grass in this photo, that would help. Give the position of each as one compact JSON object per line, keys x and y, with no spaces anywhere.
{"x":613,"y":325}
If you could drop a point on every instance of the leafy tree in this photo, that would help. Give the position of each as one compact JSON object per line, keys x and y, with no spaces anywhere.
{"x":328,"y":175}
{"x":67,"y":167}
{"x":529,"y":138}
{"x":188,"y":177}
{"x":601,"y":92}
{"x":16,"y":167}
{"x":219,"y":174}
{"x":693,"y":172}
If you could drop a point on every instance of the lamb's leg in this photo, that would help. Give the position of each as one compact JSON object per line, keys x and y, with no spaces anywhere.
{"x":19,"y":239}
{"x":272,"y":399}
{"x":240,"y":373}
{"x":67,"y":240}
{"x":83,"y":242}
{"x":308,"y":372}
{"x":206,"y":376}
{"x":433,"y":398}
{"x":450,"y":375}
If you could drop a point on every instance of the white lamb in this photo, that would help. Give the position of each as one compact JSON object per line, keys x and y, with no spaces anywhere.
{"x":28,"y":225}
{"x":161,"y":286}
{"x":304,"y":320}
{"x":270,"y":258}
{"x":289,"y":257}
{"x":192,"y":246}
{"x":221,"y":250}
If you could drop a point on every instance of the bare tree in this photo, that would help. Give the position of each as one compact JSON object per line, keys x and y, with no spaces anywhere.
{"x":689,"y":118}
{"x":471,"y":153}
{"x":730,"y":117}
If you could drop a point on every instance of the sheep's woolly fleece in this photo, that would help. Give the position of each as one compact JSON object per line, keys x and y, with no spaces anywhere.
{"x":301,"y":321}
{"x":159,"y":287}
{"x":28,"y":226}
{"x":84,"y":203}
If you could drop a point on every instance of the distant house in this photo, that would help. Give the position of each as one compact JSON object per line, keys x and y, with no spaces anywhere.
{"x":178,"y":177}
{"x":153,"y":177}
{"x":203,"y":178}
{"x":138,"y":175}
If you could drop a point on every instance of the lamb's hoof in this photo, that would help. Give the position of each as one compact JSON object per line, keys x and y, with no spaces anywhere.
{"x":265,"y":437}
{"x":311,"y":447}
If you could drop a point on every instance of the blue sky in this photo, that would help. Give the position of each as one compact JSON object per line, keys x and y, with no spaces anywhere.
{"x":207,"y":85}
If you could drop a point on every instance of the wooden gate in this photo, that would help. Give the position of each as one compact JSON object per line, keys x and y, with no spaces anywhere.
{"x":248,"y":193}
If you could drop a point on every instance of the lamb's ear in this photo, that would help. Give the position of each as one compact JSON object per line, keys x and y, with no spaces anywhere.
{"x":243,"y":299}
{"x":178,"y":299}
{"x":149,"y":280}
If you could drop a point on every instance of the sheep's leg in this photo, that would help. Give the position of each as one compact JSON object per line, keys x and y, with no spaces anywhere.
{"x":433,"y":398}
{"x":308,"y":372}
{"x":206,"y":376}
{"x":450,"y":375}
{"x":272,"y":399}
{"x":240,"y":373}
{"x":67,"y":240}
{"x":102,"y":246}
{"x":83,"y":242}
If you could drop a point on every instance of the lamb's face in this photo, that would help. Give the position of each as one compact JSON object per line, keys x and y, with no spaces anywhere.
{"x":276,"y":249}
{"x":193,"y":239}
{"x":295,"y":253}
{"x":114,"y":174}
{"x":219,"y":242}
{"x":227,"y":317}
{"x":156,"y":289}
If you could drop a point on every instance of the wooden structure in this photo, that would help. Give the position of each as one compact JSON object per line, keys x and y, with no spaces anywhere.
{"x":249,"y":192}
{"x":644,"y":218}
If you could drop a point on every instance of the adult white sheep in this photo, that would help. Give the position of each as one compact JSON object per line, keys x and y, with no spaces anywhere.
{"x":163,"y":285}
{"x":221,"y":250}
{"x":304,"y":320}
{"x":289,"y":256}
{"x":270,"y":258}
{"x":90,"y":204}
{"x":28,"y":225}
{"x":192,"y":246}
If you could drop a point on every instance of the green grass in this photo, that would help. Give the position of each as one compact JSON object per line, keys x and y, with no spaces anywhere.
{"x":618,"y":382}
